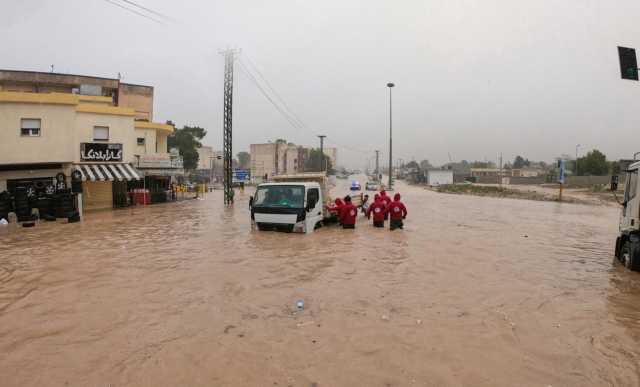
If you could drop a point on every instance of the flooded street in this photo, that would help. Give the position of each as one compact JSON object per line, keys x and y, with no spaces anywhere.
{"x":474,"y":292}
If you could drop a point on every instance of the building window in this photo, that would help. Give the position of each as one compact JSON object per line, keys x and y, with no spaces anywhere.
{"x":30,"y":127}
{"x":140,"y":140}
{"x":100,"y":133}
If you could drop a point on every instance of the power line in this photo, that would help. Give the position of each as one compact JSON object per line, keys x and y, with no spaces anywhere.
{"x":266,"y":95}
{"x":252,"y":64}
{"x":149,"y":10}
{"x":285,"y":110}
{"x":134,"y":11}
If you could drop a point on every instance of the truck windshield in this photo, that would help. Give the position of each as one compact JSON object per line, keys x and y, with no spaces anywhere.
{"x":288,"y":196}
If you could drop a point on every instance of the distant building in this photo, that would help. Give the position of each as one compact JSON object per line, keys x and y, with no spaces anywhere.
{"x":439,"y":177}
{"x":276,"y":159}
{"x":484,"y":172}
{"x":527,"y":172}
{"x":332,"y":154}
{"x":205,"y":156}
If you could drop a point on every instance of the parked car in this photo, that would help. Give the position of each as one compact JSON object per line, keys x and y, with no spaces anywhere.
{"x":371,"y":186}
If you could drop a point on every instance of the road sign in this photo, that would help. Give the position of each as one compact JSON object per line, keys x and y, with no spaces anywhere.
{"x":241,"y":175}
{"x":561,"y":175}
{"x":628,"y":63}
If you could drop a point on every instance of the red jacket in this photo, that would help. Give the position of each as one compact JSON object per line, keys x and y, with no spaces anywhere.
{"x":386,"y":199}
{"x":377,"y":208}
{"x":348,"y":214}
{"x":397,"y":210}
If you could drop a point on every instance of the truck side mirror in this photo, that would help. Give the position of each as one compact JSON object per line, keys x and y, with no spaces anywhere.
{"x":613,"y":185}
{"x":250,"y":202}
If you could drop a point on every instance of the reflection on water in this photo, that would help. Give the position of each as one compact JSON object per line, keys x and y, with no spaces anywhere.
{"x":474,"y":291}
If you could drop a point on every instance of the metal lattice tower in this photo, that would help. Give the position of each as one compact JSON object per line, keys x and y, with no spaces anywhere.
{"x":227,"y":126}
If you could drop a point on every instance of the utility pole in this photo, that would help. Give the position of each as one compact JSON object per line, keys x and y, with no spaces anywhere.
{"x":576,"y":170}
{"x":377,"y":165}
{"x":500,"y":177}
{"x":390,"y":85}
{"x":321,"y":136}
{"x":228,"y":125}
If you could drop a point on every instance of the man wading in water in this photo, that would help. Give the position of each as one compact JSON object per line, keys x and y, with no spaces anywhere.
{"x":397,"y":212}
{"x":348,"y":214}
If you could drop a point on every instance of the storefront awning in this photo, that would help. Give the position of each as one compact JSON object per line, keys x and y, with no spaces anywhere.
{"x":107,"y":172}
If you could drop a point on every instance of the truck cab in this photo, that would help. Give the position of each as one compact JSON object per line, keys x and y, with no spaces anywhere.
{"x":628,"y":241}
{"x":287,"y":206}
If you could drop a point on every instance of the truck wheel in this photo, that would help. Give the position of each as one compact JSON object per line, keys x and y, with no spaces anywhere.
{"x":630,"y":256}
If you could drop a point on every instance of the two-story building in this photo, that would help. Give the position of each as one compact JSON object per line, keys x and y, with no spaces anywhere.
{"x":59,"y":123}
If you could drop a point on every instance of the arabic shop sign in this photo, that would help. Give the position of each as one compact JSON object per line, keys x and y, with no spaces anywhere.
{"x":91,"y":151}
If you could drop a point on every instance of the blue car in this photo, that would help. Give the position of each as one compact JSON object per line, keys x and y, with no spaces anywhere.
{"x":355,"y":186}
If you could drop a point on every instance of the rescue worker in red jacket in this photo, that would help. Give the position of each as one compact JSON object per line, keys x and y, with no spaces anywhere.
{"x":348,"y":214}
{"x":378,"y":209}
{"x":387,"y":200}
{"x":397,"y":212}
{"x":334,"y":208}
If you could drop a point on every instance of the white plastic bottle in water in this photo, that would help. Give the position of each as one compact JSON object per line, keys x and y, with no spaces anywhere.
{"x":300,"y":305}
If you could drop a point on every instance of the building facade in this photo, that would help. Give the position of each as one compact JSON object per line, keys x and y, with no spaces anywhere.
{"x":271,"y":159}
{"x":55,"y":124}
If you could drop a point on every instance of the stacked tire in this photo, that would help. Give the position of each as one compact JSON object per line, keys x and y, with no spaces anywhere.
{"x":5,"y":205}
{"x":44,"y":204}
{"x":64,"y":205}
{"x":21,"y":205}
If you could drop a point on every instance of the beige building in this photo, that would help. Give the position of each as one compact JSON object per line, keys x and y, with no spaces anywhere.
{"x":276,"y":159}
{"x":49,"y":127}
{"x":279,"y":159}
{"x":332,"y":154}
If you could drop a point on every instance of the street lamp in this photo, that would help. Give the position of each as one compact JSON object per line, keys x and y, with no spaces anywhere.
{"x":390,"y":85}
{"x":576,"y":171}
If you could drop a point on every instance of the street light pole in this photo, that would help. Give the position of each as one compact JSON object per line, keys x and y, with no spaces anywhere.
{"x":390,"y":185}
{"x":321,"y":136}
{"x":576,"y":171}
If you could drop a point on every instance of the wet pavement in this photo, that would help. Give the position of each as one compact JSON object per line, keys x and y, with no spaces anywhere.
{"x":474,"y":292}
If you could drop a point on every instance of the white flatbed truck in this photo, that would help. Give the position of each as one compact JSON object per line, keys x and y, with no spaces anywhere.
{"x":627,"y":249}
{"x":292,"y":203}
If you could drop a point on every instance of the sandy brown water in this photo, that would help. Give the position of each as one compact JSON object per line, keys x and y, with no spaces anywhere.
{"x":474,"y":292}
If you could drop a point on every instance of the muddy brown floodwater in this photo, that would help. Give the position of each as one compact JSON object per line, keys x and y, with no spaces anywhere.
{"x":474,"y":292}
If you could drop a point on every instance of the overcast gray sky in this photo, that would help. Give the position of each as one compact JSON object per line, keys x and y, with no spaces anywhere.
{"x":474,"y":78}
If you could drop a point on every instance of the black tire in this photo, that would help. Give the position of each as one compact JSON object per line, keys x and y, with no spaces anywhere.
{"x":630,"y":255}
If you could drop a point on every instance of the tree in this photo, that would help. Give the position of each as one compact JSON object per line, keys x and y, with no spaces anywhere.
{"x":520,"y":162}
{"x":593,"y":163}
{"x":313,"y":162}
{"x":244,"y":160}
{"x":187,"y":140}
{"x":425,"y":164}
{"x":412,"y":164}
{"x":281,"y":141}
{"x":482,"y":164}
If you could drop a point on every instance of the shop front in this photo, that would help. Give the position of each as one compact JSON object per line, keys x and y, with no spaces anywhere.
{"x":106,"y":179}
{"x":162,"y":171}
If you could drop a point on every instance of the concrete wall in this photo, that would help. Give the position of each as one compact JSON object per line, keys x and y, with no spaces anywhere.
{"x":204,"y":157}
{"x":439,"y":177}
{"x":139,"y":98}
{"x":262,"y":159}
{"x":527,"y":180}
{"x":162,"y":142}
{"x":55,"y":142}
{"x":121,"y":131}
{"x":587,"y":181}
{"x":149,"y":144}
